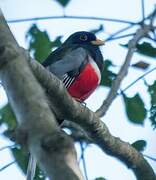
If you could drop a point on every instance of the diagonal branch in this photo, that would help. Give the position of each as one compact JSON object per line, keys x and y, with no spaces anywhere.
{"x":119,"y":37}
{"x":66,"y":107}
{"x":6,"y":166}
{"x":37,"y":124}
{"x":118,"y":32}
{"x":142,"y":32}
{"x":135,"y":81}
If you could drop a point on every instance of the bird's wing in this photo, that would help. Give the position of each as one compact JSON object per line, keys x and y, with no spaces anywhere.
{"x":71,"y":63}
{"x":58,"y":54}
{"x":55,"y":56}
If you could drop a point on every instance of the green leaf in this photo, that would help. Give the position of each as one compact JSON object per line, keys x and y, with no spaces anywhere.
{"x":152,"y":93}
{"x":135,"y":109}
{"x":144,"y":48}
{"x":139,"y":145}
{"x":153,"y":115}
{"x":97,"y":30}
{"x":56,"y":42}
{"x":39,"y":175}
{"x":63,"y":2}
{"x":107,"y":75}
{"x":21,"y":158}
{"x":7,"y":117}
{"x":40,"y":44}
{"x":100,"y":178}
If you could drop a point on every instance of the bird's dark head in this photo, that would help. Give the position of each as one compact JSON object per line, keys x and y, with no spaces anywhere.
{"x":88,"y":41}
{"x":84,"y":38}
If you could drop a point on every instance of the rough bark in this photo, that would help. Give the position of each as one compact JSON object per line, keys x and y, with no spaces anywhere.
{"x":66,"y":107}
{"x":36,"y":121}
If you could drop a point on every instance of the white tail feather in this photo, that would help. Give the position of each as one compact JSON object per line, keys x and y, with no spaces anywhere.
{"x":31,"y":168}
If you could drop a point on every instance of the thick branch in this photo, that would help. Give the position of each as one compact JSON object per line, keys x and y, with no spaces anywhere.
{"x":34,"y":116}
{"x":90,"y":122}
{"x":97,"y":130}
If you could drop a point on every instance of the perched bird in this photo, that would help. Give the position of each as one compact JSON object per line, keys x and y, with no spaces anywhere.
{"x":78,"y":62}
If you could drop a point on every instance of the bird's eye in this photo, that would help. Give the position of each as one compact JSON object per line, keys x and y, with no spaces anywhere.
{"x":83,"y":37}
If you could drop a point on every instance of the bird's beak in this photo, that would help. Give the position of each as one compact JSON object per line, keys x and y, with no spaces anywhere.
{"x":98,"y":42}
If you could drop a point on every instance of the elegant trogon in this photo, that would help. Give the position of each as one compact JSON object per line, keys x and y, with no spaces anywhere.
{"x":78,"y":62}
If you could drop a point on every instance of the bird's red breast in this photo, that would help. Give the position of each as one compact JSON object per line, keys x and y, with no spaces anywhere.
{"x":86,"y":82}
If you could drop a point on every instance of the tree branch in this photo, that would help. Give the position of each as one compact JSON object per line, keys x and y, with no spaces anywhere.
{"x":36,"y":121}
{"x":72,"y":17}
{"x":118,"y":32}
{"x":90,"y":122}
{"x":143,"y":9}
{"x":135,"y":81}
{"x":65,"y":107}
{"x":6,"y":166}
{"x":142,"y":32}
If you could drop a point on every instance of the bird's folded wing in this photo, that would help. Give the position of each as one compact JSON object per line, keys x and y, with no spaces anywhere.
{"x":70,"y":62}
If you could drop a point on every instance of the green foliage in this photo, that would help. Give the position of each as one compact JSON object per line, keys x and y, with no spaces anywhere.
{"x":21,"y":158}
{"x":144,"y":48}
{"x":97,"y":30}
{"x":39,"y":174}
{"x":139,"y":145}
{"x":107,"y":75}
{"x":100,"y":178}
{"x":7,"y":117}
{"x":135,"y":109}
{"x":152,"y":93}
{"x":40,"y":44}
{"x":63,"y":2}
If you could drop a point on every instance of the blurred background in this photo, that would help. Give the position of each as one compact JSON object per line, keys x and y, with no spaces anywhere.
{"x":40,"y":26}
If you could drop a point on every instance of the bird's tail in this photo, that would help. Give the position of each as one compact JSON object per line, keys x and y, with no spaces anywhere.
{"x":31,"y":168}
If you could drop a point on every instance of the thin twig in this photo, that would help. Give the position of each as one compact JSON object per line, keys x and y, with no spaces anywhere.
{"x":82,"y":153}
{"x":139,"y":78}
{"x":152,"y":39}
{"x":83,"y":160}
{"x":147,"y":17}
{"x":118,"y":32}
{"x":154,"y":34}
{"x":142,"y":32}
{"x":143,"y":9}
{"x":71,"y":17}
{"x":153,"y":16}
{"x":120,"y":37}
{"x":4,"y":167}
{"x":149,"y":157}
{"x":7,"y":147}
